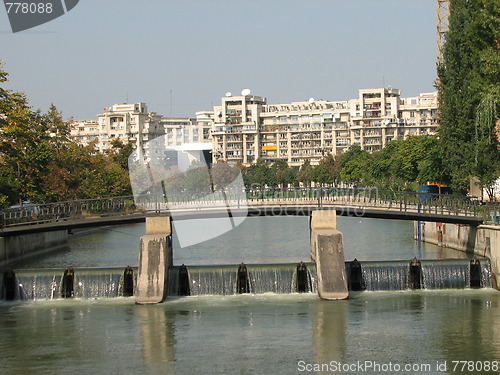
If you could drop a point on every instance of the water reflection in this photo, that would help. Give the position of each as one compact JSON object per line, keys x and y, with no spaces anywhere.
{"x":252,"y":334}
{"x":328,"y":321}
{"x":157,"y":338}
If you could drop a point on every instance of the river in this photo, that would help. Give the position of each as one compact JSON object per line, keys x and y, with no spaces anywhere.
{"x":397,"y":332}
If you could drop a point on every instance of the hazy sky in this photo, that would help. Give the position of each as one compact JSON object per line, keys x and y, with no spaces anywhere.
{"x":182,"y":56}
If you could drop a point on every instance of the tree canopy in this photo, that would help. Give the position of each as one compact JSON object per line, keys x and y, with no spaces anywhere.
{"x":469,"y":82}
{"x":40,"y":163}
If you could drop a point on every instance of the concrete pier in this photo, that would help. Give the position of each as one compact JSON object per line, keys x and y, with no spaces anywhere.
{"x":155,"y":259}
{"x":327,"y":251}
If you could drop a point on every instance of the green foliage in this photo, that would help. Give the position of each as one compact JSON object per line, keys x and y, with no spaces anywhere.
{"x":197,"y":179}
{"x":40,"y":163}
{"x":470,"y":72}
{"x":327,"y":172}
{"x":279,"y":170}
{"x":353,"y":165}
{"x":223,"y":174}
{"x":486,"y":156}
{"x":305,"y":173}
{"x":120,"y":152}
{"x":259,"y":174}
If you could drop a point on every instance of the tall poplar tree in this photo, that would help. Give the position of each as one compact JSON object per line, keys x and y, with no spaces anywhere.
{"x":469,"y":74}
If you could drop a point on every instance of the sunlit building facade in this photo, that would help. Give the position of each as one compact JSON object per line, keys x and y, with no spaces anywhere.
{"x":244,"y":128}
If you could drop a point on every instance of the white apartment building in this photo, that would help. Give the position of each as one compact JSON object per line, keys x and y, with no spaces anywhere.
{"x":246,"y":128}
{"x":132,"y":123}
{"x":85,"y":131}
{"x":129,"y":123}
{"x":182,"y":130}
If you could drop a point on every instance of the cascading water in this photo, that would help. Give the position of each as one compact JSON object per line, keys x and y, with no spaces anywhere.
{"x":98,"y":283}
{"x":277,"y":278}
{"x":39,"y":284}
{"x":486,"y":276}
{"x":213,"y":280}
{"x":223,"y":280}
{"x":88,"y":283}
{"x":392,"y":275}
{"x":453,"y":274}
{"x":446,"y":274}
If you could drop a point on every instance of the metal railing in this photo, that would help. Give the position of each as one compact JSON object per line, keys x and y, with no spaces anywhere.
{"x":402,"y":201}
{"x":30,"y":214}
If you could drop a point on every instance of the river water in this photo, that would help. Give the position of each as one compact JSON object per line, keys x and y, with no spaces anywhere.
{"x":397,"y":332}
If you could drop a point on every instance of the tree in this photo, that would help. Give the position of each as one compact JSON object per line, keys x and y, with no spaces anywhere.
{"x":432,"y":167}
{"x":486,"y":156}
{"x":259,"y":174}
{"x":121,"y":152}
{"x":39,"y":162}
{"x":198,"y":179}
{"x":353,"y":165}
{"x":305,"y":173}
{"x":223,"y":174}
{"x":279,"y":169}
{"x":25,"y":147}
{"x":327,"y":171}
{"x":471,"y":69}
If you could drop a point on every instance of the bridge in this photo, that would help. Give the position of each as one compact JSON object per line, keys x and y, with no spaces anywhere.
{"x":34,"y":229}
{"x":371,"y":203}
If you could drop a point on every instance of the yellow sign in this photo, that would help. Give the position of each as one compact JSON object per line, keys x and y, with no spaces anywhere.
{"x":270,"y":147}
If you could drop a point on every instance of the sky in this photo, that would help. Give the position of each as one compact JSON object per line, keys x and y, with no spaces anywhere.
{"x":182,"y":56}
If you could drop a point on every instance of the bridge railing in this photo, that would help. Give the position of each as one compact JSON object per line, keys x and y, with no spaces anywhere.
{"x":402,"y":201}
{"x":69,"y":210}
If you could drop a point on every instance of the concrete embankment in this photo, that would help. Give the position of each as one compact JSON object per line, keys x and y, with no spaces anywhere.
{"x":482,"y":240}
{"x":19,"y":247}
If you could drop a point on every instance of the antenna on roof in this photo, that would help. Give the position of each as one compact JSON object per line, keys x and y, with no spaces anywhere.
{"x":245,"y":92}
{"x":228,"y":94}
{"x":311,"y":100}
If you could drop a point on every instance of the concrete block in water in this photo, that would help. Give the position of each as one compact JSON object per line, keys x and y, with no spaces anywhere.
{"x":155,"y":259}
{"x":327,"y":250}
{"x":159,"y":225}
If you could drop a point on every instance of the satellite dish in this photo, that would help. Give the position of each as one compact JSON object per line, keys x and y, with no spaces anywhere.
{"x":245,"y":92}
{"x":228,"y":93}
{"x":311,"y":100}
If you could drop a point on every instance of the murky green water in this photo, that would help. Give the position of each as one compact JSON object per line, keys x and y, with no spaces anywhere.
{"x":255,"y":334}
{"x":256,"y":240}
{"x":266,"y":334}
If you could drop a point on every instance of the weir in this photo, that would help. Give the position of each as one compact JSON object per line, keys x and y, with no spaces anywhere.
{"x":86,"y":283}
{"x":222,"y":280}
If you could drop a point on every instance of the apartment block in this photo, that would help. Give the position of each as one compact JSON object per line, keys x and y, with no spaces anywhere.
{"x":246,"y":128}
{"x":129,"y":123}
{"x":132,"y":123}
